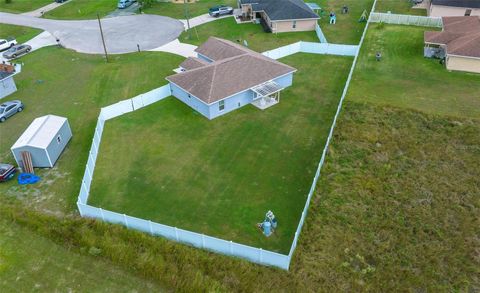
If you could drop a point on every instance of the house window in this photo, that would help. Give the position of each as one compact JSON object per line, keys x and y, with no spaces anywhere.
{"x":59,"y":139}
{"x":221,"y":106}
{"x":294,"y":24}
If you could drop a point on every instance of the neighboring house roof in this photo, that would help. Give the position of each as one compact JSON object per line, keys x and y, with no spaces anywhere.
{"x":192,"y":63}
{"x":6,"y":70}
{"x":460,"y":34}
{"x":458,"y":3}
{"x":41,"y":132}
{"x":282,"y":9}
{"x":228,"y":76}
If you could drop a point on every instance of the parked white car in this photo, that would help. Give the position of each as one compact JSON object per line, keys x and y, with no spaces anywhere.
{"x":7,"y":43}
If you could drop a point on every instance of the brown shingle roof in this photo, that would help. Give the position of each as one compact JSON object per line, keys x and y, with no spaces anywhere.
{"x":460,"y":34}
{"x":218,"y":49}
{"x":228,"y":76}
{"x":192,"y":63}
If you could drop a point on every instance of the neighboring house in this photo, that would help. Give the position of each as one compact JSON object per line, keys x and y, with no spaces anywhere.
{"x":439,"y":8}
{"x":458,"y":42}
{"x":279,"y":15}
{"x":45,"y":139}
{"x":7,"y":84}
{"x":226,"y":76}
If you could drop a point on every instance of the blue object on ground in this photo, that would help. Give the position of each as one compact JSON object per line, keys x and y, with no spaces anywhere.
{"x":27,"y":178}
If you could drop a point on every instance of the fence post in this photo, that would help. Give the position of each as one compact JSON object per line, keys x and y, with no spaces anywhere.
{"x":231,"y":248}
{"x":125,"y":219}
{"x":176,"y":233}
{"x":260,"y":258}
{"x":203,"y":241}
{"x":102,"y":215}
{"x":151,"y":228}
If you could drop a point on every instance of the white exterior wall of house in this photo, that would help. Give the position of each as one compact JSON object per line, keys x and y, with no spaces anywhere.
{"x":459,"y":63}
{"x":7,"y":87}
{"x":294,"y":26}
{"x":440,"y":10}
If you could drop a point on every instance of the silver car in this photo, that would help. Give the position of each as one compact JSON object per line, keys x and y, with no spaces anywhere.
{"x":9,"y":109}
{"x":16,"y":51}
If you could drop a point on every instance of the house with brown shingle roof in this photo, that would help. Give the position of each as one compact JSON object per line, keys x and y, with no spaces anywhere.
{"x":458,"y":42}
{"x":441,"y":8}
{"x":226,"y":76}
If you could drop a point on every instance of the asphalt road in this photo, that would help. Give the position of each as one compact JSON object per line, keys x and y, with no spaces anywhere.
{"x":122,"y":34}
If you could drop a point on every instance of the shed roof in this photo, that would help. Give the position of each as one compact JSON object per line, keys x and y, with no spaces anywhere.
{"x":461,"y":35}
{"x":458,"y":3}
{"x":226,"y":77}
{"x":40,"y":132}
{"x":283,"y":9}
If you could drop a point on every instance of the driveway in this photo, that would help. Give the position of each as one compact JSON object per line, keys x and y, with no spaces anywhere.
{"x":122,"y":34}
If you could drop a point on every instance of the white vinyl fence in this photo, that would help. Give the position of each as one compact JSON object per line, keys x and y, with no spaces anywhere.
{"x":320,"y":34}
{"x":253,"y":254}
{"x":406,"y":19}
{"x":314,"y":48}
{"x":329,"y":139}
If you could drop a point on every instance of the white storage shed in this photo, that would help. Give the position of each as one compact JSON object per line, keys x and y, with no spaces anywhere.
{"x":45,"y":139}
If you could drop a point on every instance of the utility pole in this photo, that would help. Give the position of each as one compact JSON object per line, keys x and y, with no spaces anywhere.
{"x":187,"y":17}
{"x":103,"y":38}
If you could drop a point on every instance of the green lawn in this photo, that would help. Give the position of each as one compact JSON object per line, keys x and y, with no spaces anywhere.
{"x":168,"y":164}
{"x":62,"y":82}
{"x":176,"y":10}
{"x":82,"y":9}
{"x":31,"y":263}
{"x":256,"y":38}
{"x":20,"y":33}
{"x":399,"y":7}
{"x":347,"y":30}
{"x":19,"y":6}
{"x":404,"y":78}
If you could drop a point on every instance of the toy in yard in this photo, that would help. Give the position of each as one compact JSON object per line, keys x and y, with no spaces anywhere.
{"x":344,"y":9}
{"x":378,"y":56}
{"x":27,"y":178}
{"x":364,"y":17}
{"x":333,"y":18}
{"x":7,"y":172}
{"x":268,"y":225}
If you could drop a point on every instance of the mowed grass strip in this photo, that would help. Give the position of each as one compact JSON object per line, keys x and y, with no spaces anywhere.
{"x":397,"y":205}
{"x":20,"y":6}
{"x":82,"y":9}
{"x":399,"y":7}
{"x":29,"y":263}
{"x":62,"y":82}
{"x":404,"y":78}
{"x":253,"y":34}
{"x":178,"y":10}
{"x":20,"y":33}
{"x":168,"y":164}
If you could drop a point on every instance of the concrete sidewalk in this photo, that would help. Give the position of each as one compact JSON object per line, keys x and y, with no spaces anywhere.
{"x":201,"y":19}
{"x":40,"y":11}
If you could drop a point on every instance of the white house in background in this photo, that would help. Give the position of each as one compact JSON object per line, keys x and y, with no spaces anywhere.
{"x":439,"y":8}
{"x":7,"y":84}
{"x":45,"y":139}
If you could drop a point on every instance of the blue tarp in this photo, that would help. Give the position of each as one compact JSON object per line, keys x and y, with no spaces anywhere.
{"x":27,"y":178}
